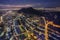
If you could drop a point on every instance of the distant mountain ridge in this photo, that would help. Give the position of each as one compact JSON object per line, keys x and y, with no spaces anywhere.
{"x":48,"y":15}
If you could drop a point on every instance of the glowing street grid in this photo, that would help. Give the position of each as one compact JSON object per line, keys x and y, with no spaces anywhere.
{"x":21,"y":27}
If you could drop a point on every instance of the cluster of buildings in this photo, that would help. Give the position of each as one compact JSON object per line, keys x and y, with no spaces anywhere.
{"x":20,"y":26}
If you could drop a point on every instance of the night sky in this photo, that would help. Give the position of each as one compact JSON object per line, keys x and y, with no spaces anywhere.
{"x":36,"y":3}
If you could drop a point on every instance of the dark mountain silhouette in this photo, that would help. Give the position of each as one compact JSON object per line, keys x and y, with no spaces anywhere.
{"x":48,"y":15}
{"x":30,"y":10}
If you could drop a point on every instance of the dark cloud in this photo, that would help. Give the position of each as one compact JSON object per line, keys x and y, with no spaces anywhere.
{"x":39,"y":3}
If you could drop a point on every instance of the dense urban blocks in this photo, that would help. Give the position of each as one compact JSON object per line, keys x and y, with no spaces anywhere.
{"x":26,"y":24}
